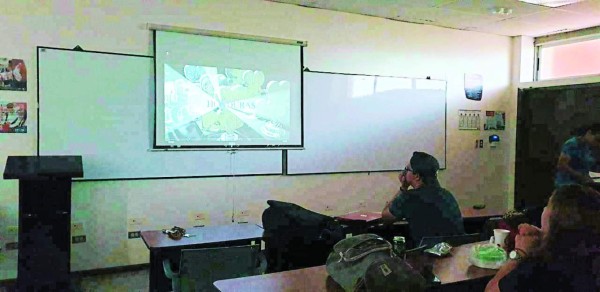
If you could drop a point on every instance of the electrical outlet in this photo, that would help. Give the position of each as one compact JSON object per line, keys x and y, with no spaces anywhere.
{"x":362,"y":205}
{"x":12,"y":230}
{"x":198,"y":218}
{"x":134,"y":234}
{"x":481,"y":143}
{"x":77,"y":229}
{"x":78,"y":239}
{"x":11,"y":245}
{"x":242,"y":215}
{"x":138,"y":221}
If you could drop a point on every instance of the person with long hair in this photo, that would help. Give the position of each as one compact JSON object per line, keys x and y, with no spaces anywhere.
{"x":576,"y":160}
{"x":562,"y":255}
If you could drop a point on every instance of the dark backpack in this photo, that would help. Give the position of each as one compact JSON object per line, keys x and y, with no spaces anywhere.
{"x":296,"y":237}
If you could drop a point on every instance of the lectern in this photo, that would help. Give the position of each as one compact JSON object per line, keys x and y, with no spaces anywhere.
{"x":44,"y":219}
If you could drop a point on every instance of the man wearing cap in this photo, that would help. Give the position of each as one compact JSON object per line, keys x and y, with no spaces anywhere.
{"x":429,"y":209}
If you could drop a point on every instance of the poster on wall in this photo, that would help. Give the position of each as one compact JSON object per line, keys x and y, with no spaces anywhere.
{"x":494,"y":120}
{"x":13,"y":74}
{"x":13,"y":117}
{"x":469,"y":120}
{"x":473,"y":86}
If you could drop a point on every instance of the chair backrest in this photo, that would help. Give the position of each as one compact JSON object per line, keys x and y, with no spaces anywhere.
{"x":489,"y":226}
{"x":453,"y":240}
{"x":200,"y":268}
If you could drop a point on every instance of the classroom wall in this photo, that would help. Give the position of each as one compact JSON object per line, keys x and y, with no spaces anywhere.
{"x":337,"y":42}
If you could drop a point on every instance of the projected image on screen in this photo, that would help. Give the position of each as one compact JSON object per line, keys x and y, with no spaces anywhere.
{"x":226,"y":105}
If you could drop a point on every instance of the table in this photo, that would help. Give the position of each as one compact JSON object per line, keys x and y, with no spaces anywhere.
{"x":471,"y":213}
{"x":456,"y":268}
{"x":162,"y":247}
{"x":450,"y":270}
{"x":374,"y":217}
{"x":361,"y":222}
{"x":308,"y":279}
{"x":473,"y":219}
{"x":360,"y":216}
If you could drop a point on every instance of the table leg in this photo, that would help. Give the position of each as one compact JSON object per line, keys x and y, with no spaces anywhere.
{"x":152,"y":285}
{"x":158,"y":281}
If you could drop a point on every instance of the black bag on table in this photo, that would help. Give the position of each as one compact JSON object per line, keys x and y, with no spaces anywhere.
{"x":296,"y":237}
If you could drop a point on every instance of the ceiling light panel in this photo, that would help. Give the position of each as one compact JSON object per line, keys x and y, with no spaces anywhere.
{"x":551,"y":3}
{"x":488,"y":7}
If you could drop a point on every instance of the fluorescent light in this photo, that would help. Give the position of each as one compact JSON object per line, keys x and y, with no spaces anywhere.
{"x":551,"y":3}
{"x":502,"y":11}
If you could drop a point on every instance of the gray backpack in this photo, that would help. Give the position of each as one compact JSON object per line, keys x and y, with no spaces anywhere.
{"x":366,"y":263}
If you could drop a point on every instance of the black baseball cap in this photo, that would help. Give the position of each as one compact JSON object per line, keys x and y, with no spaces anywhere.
{"x":424,"y":164}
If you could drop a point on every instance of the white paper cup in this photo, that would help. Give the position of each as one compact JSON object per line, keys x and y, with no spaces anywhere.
{"x":499,"y":237}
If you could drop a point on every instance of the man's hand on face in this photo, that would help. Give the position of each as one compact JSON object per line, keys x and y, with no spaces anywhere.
{"x":403,"y":182}
{"x":529,"y":230}
{"x":526,"y":243}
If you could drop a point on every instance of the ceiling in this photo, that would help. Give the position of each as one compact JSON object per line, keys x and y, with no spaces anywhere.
{"x":473,"y":15}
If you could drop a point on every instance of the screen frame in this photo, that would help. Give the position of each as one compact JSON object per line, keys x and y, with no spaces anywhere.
{"x":300,"y":146}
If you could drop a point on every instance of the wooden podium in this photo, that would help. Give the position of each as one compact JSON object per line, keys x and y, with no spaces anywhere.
{"x":44,"y":219}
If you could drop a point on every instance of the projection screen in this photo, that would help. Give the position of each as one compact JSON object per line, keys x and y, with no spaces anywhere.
{"x":219,"y":92}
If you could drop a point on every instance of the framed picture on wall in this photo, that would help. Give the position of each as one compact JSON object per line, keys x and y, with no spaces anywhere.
{"x":473,"y":86}
{"x":494,"y":120}
{"x":13,"y":117}
{"x":13,"y":74}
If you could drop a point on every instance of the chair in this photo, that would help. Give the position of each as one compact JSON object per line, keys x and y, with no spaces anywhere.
{"x":489,"y":226}
{"x":453,"y":240}
{"x":388,"y":231}
{"x":200,"y":268}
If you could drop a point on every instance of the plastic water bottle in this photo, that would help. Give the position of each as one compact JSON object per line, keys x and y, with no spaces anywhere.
{"x":399,"y":245}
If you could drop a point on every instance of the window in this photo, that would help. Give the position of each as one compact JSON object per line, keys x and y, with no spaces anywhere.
{"x":569,"y":59}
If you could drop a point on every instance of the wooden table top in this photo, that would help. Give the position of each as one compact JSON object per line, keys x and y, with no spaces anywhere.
{"x":309,"y":279}
{"x":456,"y":268}
{"x":374,"y":216}
{"x":360,"y":216}
{"x":450,"y":269}
{"x":203,"y":235}
{"x":469,"y":212}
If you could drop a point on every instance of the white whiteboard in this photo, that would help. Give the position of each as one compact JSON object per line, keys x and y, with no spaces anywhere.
{"x":355,"y":123}
{"x":100,"y":106}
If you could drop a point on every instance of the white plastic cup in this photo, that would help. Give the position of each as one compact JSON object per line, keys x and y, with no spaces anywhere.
{"x":499,"y":237}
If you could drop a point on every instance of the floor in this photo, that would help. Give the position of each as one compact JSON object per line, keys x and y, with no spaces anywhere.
{"x":130,"y":281}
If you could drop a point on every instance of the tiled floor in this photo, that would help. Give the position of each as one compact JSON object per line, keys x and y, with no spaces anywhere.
{"x":130,"y":281}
